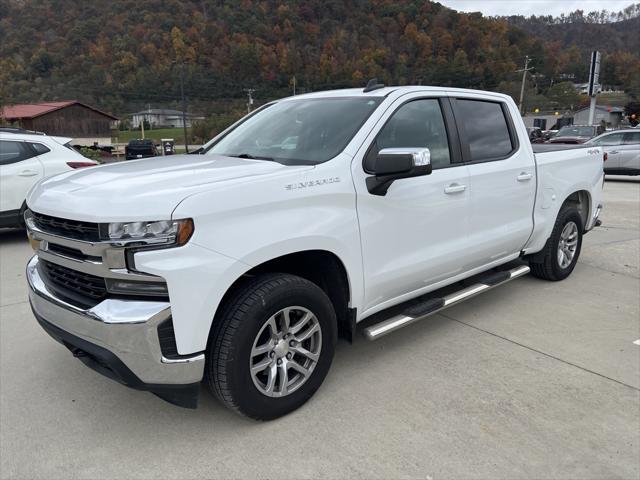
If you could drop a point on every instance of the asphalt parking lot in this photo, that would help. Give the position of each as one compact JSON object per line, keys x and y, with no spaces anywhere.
{"x":530,"y":380}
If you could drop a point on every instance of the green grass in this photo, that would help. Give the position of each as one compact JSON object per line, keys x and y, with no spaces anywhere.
{"x":176,"y":133}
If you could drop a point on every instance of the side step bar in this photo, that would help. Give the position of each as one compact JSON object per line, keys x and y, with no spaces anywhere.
{"x":435,"y":305}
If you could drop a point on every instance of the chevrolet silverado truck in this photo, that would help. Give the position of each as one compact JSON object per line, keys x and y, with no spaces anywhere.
{"x":239,"y":267}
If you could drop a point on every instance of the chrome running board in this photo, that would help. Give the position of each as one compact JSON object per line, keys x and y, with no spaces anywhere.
{"x":435,"y":305}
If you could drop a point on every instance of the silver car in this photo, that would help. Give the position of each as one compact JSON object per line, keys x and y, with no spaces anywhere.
{"x":623,"y":150}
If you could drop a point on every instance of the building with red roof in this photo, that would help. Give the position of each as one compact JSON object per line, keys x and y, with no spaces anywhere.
{"x":85,"y":124}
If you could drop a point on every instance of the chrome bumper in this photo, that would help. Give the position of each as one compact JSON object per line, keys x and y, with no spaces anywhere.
{"x":126,"y":328}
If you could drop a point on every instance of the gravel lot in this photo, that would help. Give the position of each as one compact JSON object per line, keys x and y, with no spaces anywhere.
{"x":530,"y":380}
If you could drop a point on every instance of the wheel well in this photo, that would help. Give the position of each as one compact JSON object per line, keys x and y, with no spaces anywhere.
{"x":581,"y":200}
{"x":320,"y":267}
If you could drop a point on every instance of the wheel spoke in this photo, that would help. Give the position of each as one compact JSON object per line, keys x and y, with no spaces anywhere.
{"x":261,"y":349}
{"x":303,"y":351}
{"x":307,"y":334}
{"x":286,"y":320}
{"x":261,"y":365}
{"x":301,"y":323}
{"x":298,"y":368}
{"x":273,"y":326}
{"x":271,"y":379}
{"x":283,"y":373}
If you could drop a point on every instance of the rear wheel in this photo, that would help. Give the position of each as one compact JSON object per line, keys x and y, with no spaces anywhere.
{"x":560,"y":254}
{"x":272,"y":346}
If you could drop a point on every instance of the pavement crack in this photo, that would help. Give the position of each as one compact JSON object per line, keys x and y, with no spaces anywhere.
{"x":540,"y":352}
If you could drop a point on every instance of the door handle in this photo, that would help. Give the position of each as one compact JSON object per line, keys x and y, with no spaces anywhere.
{"x":454,"y":188}
{"x":524,"y":176}
{"x":613,"y":152}
{"x":28,"y":173}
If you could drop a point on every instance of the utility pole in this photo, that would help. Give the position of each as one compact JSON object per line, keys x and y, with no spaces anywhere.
{"x":294,"y":85}
{"x":524,"y":81}
{"x":250,"y":101}
{"x":184,"y":108}
{"x":142,"y":125}
{"x":149,"y":113}
{"x":594,"y":84}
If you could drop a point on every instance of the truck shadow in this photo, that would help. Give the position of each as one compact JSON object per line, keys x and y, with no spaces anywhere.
{"x":12,"y":235}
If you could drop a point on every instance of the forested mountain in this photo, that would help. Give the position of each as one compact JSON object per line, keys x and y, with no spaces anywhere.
{"x":123,"y":54}
{"x":598,"y":30}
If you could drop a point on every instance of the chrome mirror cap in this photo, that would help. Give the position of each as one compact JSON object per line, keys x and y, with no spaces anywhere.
{"x":421,"y":155}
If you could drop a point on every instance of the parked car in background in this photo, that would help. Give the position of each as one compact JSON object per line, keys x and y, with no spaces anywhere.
{"x":26,"y":158}
{"x":143,"y":148}
{"x":623,"y":151}
{"x":575,"y":134}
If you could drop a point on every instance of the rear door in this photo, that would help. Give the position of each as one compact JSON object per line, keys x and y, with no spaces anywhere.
{"x":19,"y":170}
{"x":502,"y":178}
{"x":630,"y":151}
{"x":612,"y":145}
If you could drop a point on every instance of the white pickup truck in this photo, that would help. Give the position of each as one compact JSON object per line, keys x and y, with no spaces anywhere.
{"x":240,"y":266}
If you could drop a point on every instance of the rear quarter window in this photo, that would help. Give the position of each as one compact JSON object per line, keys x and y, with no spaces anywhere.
{"x":40,"y":148}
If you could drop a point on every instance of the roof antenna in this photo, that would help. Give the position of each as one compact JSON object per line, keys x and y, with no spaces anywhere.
{"x":373,"y":85}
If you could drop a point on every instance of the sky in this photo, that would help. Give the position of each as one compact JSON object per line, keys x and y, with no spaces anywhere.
{"x":534,"y":7}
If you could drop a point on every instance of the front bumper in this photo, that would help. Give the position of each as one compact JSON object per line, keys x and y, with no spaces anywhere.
{"x":119,"y":339}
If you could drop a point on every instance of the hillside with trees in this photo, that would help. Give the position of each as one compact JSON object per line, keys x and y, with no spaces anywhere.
{"x":123,"y":55}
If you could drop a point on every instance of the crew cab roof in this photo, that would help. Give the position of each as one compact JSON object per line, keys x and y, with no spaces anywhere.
{"x":386,"y":91}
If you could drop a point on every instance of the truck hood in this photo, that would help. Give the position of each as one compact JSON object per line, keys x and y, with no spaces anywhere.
{"x":147,"y":189}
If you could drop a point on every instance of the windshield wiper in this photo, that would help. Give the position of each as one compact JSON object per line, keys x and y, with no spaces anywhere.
{"x":251,"y":157}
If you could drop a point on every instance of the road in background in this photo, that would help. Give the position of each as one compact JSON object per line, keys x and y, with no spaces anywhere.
{"x":532,"y":379}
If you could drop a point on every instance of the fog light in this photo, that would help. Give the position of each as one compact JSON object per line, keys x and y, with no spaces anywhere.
{"x":129,"y":287}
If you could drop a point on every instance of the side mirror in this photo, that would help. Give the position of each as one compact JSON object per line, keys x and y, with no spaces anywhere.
{"x":395,"y":163}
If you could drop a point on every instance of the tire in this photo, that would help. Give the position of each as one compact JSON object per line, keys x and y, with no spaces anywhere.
{"x":547,"y":264}
{"x":245,"y":328}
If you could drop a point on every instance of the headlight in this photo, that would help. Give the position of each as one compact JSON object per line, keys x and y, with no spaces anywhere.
{"x":165,"y":231}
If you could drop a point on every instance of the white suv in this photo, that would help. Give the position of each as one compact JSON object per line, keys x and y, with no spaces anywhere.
{"x":26,"y":158}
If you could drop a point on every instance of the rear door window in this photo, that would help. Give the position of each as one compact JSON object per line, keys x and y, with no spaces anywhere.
{"x":484,"y":129}
{"x":632,"y":138}
{"x":13,"y":152}
{"x":613,"y":139}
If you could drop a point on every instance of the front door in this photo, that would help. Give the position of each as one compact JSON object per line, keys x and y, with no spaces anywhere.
{"x":415,"y":235}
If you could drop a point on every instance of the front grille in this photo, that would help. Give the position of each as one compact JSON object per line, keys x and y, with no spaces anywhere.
{"x":67,"y":228}
{"x":78,"y":286}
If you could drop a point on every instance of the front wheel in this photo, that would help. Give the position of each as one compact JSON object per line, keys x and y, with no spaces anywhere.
{"x":560,"y":254}
{"x":272,"y":346}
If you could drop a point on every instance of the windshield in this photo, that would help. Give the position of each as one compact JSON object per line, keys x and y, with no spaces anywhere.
{"x":306,"y":131}
{"x":575,"y":132}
